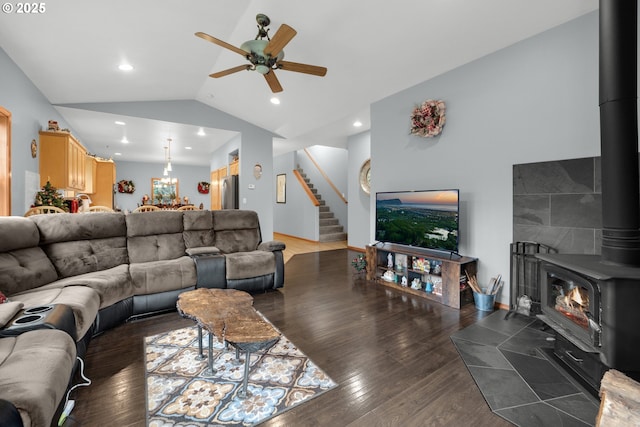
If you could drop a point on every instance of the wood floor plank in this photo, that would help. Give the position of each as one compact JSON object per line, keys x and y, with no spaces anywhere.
{"x":389,"y":352}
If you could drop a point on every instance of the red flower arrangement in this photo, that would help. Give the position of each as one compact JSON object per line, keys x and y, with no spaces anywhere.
{"x":428,"y":118}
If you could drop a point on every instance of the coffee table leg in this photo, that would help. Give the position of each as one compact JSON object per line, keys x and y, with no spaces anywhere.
{"x":209,"y":372}
{"x":200,"y":355}
{"x":244,"y":393}
{"x":237,"y":360}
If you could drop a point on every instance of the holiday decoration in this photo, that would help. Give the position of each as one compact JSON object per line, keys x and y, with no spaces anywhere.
{"x":203,"y":187}
{"x":125,"y":186}
{"x":49,"y":196}
{"x":428,"y":118}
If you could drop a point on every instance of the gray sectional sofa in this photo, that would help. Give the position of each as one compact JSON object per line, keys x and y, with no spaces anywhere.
{"x":99,"y":270}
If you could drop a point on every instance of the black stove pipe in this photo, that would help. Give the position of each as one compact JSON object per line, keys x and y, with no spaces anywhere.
{"x":619,"y":132}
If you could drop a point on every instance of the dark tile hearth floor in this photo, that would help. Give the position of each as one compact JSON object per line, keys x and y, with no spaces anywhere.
{"x":518,"y":381}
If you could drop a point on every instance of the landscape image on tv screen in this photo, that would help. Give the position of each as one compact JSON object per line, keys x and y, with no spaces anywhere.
{"x":427,"y":219}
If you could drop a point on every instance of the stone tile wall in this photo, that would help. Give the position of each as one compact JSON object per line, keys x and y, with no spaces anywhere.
{"x":558,"y":203}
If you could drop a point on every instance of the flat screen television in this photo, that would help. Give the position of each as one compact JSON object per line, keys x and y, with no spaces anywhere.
{"x":425,"y":219}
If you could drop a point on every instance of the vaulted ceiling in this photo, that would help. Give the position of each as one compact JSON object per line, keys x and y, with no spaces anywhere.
{"x":371,"y":48}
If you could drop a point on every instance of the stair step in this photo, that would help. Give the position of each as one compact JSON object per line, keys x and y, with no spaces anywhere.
{"x":325,"y":215}
{"x":328,"y":221}
{"x":333,"y":237}
{"x":330,"y":229}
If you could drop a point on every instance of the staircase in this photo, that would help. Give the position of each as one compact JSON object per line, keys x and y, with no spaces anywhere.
{"x":330,"y":228}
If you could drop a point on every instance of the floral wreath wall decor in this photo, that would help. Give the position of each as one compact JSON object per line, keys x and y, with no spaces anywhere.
{"x":125,"y":186}
{"x":203,"y":187}
{"x":427,"y":119}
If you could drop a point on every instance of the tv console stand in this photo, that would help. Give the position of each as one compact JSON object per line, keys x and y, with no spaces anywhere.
{"x":433,"y":275}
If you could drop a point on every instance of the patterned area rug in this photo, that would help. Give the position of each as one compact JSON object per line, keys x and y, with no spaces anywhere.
{"x":179,"y":395}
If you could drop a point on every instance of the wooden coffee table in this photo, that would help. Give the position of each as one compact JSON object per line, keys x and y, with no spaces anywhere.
{"x":229,"y":315}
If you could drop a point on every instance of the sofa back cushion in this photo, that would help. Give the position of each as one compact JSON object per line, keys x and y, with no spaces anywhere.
{"x":83,"y":243}
{"x":154,"y":236}
{"x":23,"y":264}
{"x":236,"y":230}
{"x":198,"y":229}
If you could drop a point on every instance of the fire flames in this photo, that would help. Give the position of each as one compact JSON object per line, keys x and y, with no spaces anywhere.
{"x":574,"y":305}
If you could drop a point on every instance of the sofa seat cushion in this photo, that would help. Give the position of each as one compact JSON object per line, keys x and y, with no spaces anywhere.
{"x":35,"y":368}
{"x":25,"y":269}
{"x":242,"y":265}
{"x":112,"y":285}
{"x":83,"y":300}
{"x":159,"y":276}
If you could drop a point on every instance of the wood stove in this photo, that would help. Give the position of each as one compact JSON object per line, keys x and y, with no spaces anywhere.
{"x":592,"y":301}
{"x":594,"y":306}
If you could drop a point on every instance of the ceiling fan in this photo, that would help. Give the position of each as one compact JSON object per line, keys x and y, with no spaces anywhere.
{"x":265,"y":54}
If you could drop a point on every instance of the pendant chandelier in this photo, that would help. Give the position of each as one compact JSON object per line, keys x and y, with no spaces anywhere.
{"x":166,"y":175}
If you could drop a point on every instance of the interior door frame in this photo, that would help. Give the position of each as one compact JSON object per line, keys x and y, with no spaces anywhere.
{"x":5,"y":162}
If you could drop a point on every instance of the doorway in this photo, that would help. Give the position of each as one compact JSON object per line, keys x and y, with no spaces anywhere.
{"x":5,"y":162}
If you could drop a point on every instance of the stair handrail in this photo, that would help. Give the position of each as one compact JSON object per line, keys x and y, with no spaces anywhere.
{"x":326,"y":177}
{"x":306,"y":188}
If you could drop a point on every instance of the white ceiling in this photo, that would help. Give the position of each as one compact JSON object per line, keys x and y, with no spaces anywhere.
{"x":371,"y":48}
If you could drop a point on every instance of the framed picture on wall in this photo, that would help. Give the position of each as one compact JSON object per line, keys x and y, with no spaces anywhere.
{"x":281,"y":188}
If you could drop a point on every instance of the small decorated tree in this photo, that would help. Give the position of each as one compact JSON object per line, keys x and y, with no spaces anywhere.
{"x":49,"y":196}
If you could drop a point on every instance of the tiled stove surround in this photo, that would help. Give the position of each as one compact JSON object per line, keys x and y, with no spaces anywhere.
{"x":558,"y":203}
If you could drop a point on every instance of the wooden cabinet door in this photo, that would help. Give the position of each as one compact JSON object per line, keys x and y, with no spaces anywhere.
{"x":62,"y":161}
{"x":103,"y":185}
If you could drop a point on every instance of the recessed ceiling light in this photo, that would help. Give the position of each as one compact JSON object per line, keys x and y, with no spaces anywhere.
{"x":187,"y":148}
{"x":124,"y":140}
{"x":118,"y":122}
{"x":201,"y":132}
{"x":357,"y":123}
{"x":275,"y":101}
{"x":125,"y":67}
{"x":117,"y":154}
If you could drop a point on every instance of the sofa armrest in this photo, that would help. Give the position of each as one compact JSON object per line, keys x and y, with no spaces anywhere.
{"x":9,"y":415}
{"x":203,"y":250}
{"x":8,"y":310}
{"x":272,"y":246}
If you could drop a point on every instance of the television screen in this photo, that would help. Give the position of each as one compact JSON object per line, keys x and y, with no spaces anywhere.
{"x":425,"y":219}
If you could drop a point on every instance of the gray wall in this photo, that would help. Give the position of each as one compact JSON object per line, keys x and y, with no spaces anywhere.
{"x":333,"y":161}
{"x":30,"y":112}
{"x":359,"y":202}
{"x":255,"y":145}
{"x":141,"y":174}
{"x":298,"y":216}
{"x":534,"y":101}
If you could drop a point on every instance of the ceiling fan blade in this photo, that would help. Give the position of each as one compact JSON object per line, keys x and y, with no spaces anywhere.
{"x":302,"y":68}
{"x":230,"y":71}
{"x":219,"y":42}
{"x":273,"y":82}
{"x":279,"y":40}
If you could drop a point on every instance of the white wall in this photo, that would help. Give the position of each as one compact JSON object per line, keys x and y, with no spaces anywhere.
{"x":536,"y":100}
{"x":359,"y":147}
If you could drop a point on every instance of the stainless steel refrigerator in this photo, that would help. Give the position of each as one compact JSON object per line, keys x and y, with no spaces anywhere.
{"x":230,"y":192}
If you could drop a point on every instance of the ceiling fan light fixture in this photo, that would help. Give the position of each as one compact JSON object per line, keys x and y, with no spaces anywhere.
{"x":262,"y":69}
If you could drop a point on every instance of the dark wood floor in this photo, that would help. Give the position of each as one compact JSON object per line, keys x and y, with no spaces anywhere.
{"x":389,"y":352}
